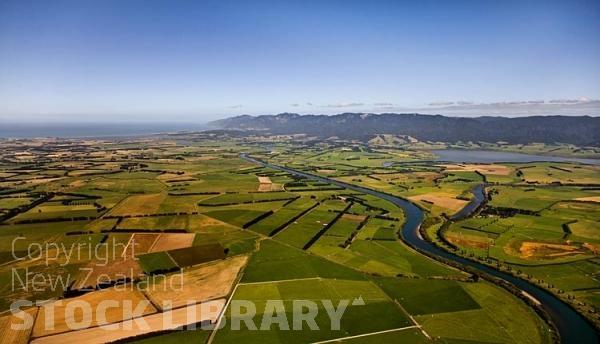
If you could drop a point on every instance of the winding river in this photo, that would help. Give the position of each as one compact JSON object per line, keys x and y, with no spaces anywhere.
{"x":573,"y":327}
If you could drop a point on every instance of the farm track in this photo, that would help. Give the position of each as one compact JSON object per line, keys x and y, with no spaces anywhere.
{"x":337,"y":340}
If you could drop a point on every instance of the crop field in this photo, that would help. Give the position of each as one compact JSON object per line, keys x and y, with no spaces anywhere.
{"x":377,"y":304}
{"x":162,"y":222}
{"x":182,"y":218}
{"x":499,"y":318}
{"x":300,"y":232}
{"x":535,"y":198}
{"x":167,"y":242}
{"x":139,"y":204}
{"x":236,"y":217}
{"x":561,"y":173}
{"x":441,"y":200}
{"x":199,"y":284}
{"x":130,"y":329}
{"x":45,"y":212}
{"x":282,"y":216}
{"x":157,"y":262}
{"x":140,"y":243}
{"x":65,"y":324}
{"x":11,"y":335}
{"x":487,"y":169}
{"x":96,"y":273}
{"x":197,"y":254}
{"x":13,"y":202}
{"x":234,"y":198}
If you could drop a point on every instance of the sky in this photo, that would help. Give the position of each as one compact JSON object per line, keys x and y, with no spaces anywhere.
{"x":153,"y":61}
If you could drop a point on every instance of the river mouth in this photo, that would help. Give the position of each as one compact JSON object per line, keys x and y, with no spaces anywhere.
{"x":572,"y":327}
{"x":488,"y":156}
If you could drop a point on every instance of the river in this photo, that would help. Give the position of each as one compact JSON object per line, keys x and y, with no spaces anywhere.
{"x":573,"y":327}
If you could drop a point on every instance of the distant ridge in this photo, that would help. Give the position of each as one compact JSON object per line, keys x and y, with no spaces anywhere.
{"x":578,"y":130}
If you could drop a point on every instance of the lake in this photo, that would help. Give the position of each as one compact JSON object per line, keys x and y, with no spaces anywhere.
{"x":485,"y":156}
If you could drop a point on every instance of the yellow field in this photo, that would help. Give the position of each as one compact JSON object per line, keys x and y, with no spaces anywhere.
{"x":264,"y":180}
{"x":442,"y":200}
{"x":205,"y":282}
{"x":481,"y":168}
{"x":537,"y":249}
{"x":140,"y":243}
{"x":168,"y":241}
{"x":139,"y":204}
{"x":10,"y":335}
{"x":64,"y":321}
{"x":589,"y":199}
{"x":95,"y":273}
{"x":171,"y":320}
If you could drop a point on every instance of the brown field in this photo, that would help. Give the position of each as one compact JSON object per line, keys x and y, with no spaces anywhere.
{"x":327,"y":171}
{"x":100,"y":224}
{"x":589,"y":199}
{"x":174,"y":177}
{"x":540,"y":249}
{"x":269,"y":187}
{"x":171,"y":222}
{"x":96,"y":273}
{"x":595,"y":248}
{"x":9,"y":335}
{"x":467,"y":241}
{"x":202,"y":158}
{"x":63,"y":322}
{"x":168,"y":241}
{"x":140,"y":243}
{"x":206,"y":312}
{"x":139,"y":204}
{"x":77,"y":183}
{"x":264,"y":180}
{"x":43,"y":180}
{"x":266,"y":185}
{"x":442,"y":200}
{"x":352,"y":217}
{"x":205,"y":282}
{"x":202,"y":221}
{"x":481,"y":168}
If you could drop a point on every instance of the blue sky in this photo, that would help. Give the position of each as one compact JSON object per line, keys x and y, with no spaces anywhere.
{"x":201,"y":60}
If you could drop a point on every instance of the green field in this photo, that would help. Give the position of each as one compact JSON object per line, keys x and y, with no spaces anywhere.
{"x":158,"y":262}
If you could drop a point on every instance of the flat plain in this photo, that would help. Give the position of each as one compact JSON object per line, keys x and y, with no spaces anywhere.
{"x":187,"y":211}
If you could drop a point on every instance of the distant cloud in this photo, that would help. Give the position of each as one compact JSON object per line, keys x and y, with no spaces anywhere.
{"x":462,"y":103}
{"x":309,"y":103}
{"x":387,"y":106}
{"x":235,"y":106}
{"x":344,"y":105}
{"x":581,"y":106}
{"x":441,"y":103}
{"x":570,"y":101}
{"x":295,"y":105}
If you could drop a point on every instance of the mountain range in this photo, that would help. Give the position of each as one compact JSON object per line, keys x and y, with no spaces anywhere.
{"x":578,"y":130}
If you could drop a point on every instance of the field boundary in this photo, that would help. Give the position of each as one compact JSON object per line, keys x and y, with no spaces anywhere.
{"x":366,"y":335}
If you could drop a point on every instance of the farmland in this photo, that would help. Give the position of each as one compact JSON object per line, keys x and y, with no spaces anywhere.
{"x":122,"y":219}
